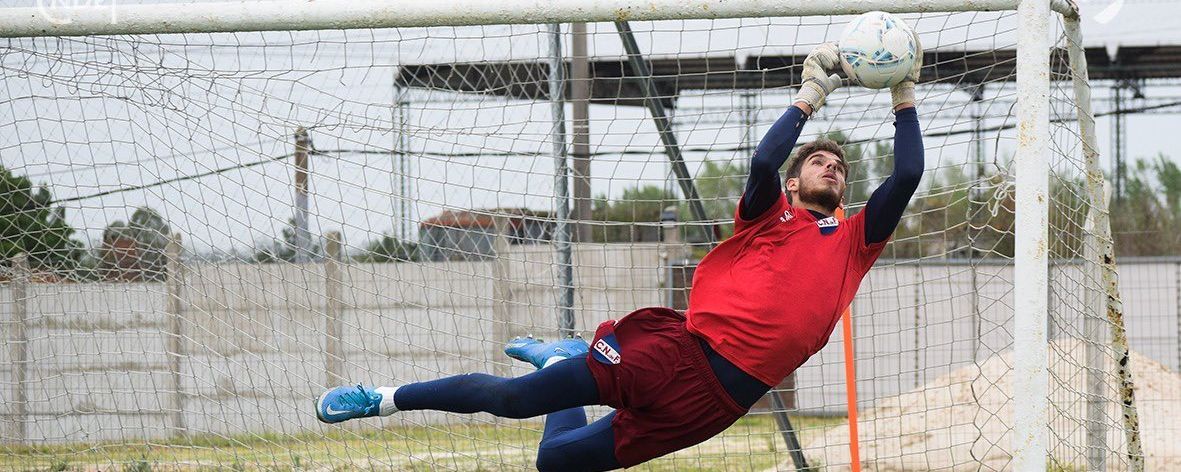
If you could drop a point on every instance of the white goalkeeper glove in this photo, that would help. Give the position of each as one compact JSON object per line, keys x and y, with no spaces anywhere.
{"x":903,"y":92}
{"x":818,"y":83}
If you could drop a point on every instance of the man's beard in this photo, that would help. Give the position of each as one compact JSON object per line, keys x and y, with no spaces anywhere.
{"x":820,"y":195}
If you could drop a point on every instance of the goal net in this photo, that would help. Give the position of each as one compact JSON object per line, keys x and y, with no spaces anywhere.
{"x":201,"y":231}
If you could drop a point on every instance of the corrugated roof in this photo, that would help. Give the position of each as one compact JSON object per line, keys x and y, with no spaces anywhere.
{"x":527,"y":80}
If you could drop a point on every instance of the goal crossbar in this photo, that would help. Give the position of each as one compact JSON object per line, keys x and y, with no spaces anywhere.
{"x":289,"y":15}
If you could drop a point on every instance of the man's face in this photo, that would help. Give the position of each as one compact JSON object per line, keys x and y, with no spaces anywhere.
{"x":821,"y":181}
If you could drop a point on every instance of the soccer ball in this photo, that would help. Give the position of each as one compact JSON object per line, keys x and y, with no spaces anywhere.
{"x":878,"y":49}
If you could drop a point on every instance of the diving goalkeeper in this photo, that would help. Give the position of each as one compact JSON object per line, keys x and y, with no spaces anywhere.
{"x":763,"y":302}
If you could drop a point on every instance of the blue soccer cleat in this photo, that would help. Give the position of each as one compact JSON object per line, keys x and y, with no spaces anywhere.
{"x":539,"y":353}
{"x":347,"y":402}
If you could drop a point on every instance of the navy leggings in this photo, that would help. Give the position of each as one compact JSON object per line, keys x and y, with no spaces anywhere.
{"x":558,"y":391}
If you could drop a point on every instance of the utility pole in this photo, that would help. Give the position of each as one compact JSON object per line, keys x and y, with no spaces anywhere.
{"x":303,"y":239}
{"x":580,"y":92}
{"x":1117,"y":139}
{"x":401,"y":165}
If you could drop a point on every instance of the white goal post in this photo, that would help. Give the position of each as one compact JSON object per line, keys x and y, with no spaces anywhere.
{"x":1030,"y":376}
{"x":343,"y":14}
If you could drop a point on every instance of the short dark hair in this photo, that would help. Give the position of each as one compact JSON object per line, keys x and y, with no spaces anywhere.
{"x":796,"y":162}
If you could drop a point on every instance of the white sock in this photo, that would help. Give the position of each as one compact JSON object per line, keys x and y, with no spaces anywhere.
{"x":552,"y":361}
{"x":387,"y":400}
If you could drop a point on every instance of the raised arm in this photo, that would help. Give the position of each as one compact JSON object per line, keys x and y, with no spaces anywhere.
{"x":884,"y":209}
{"x":762,"y":186}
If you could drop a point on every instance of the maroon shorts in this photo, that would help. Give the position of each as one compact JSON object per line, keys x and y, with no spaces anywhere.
{"x":654,"y":373}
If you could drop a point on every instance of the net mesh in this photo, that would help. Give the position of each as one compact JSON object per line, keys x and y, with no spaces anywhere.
{"x":173,"y":309}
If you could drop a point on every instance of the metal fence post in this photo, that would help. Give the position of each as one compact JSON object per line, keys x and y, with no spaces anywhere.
{"x":174,"y":308}
{"x":334,"y":351}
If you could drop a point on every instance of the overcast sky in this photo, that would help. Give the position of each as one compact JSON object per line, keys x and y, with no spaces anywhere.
{"x":88,"y":115}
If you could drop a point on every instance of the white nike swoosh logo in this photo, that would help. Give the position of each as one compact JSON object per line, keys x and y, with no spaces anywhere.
{"x":330,"y":411}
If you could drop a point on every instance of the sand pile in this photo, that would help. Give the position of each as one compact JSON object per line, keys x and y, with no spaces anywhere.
{"x":961,"y":421}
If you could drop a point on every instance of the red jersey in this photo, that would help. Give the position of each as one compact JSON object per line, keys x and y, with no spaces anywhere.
{"x":768,"y":297}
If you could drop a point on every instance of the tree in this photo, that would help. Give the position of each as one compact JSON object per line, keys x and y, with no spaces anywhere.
{"x":867,"y":170}
{"x":1146,"y":218}
{"x":938,"y":222}
{"x":636,"y":205}
{"x":135,"y":250}
{"x":389,"y":249}
{"x":1145,"y":221}
{"x":282,"y":250}
{"x":30,"y":224}
{"x":720,"y":187}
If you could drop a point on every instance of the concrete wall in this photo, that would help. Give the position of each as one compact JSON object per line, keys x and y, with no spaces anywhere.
{"x":253,"y":336}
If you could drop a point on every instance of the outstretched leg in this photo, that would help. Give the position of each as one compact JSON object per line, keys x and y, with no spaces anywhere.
{"x":563,"y":385}
{"x":558,"y":387}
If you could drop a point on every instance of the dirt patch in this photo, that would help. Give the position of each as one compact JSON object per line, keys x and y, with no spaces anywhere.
{"x":962,"y":421}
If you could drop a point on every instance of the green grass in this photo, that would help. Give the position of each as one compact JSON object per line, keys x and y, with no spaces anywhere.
{"x":752,"y":443}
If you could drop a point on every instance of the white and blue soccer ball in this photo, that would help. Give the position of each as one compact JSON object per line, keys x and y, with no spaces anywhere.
{"x":878,"y":49}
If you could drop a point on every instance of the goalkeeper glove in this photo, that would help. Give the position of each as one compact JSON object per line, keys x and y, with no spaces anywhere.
{"x":903,"y":92}
{"x":817,"y":81}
